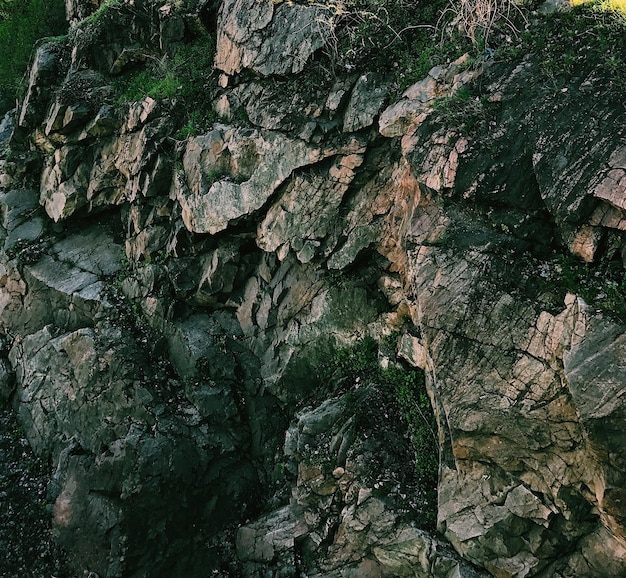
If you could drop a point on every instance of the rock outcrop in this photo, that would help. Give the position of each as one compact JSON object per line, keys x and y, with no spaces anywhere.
{"x":171,"y":304}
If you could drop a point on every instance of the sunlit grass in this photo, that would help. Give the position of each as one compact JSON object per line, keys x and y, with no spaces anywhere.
{"x":616,"y":5}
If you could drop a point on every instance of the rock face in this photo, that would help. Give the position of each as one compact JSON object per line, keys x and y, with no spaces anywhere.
{"x":269,"y":37}
{"x":170,"y":306}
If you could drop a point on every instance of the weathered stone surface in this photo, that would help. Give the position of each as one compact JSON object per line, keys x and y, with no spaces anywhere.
{"x":269,"y":38}
{"x":105,"y":123}
{"x":161,"y":383}
{"x":7,"y":380}
{"x":21,"y":219}
{"x":64,"y":183}
{"x":7,"y":126}
{"x":212,"y":196}
{"x":521,"y":476}
{"x":96,"y":386}
{"x":366,"y":100}
{"x":406,"y":115}
{"x":303,"y":217}
{"x":44,"y":72}
{"x":413,"y":351}
{"x":334,"y":524}
{"x":116,"y":169}
{"x":65,"y":286}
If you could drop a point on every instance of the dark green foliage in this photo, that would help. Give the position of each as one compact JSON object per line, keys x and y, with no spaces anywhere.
{"x":22,"y":23}
{"x":601,"y":285}
{"x":354,"y":363}
{"x":187,"y":76}
{"x":465,"y":111}
{"x":413,"y":400}
{"x":573,"y":43}
{"x":395,"y":422}
{"x":397,"y":37}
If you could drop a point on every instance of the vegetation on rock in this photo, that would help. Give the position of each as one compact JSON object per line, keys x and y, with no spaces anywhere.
{"x":187,"y":77}
{"x":178,"y":305}
{"x":391,"y":407}
{"x":22,"y":23}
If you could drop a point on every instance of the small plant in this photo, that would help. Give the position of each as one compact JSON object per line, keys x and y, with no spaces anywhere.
{"x":146,"y":83}
{"x":187,"y":76}
{"x":463,"y":111}
{"x":189,"y":129}
{"x":197,"y":121}
{"x":391,"y":412}
{"x":391,"y":37}
{"x":602,"y":285}
{"x":547,"y":280}
{"x":478,"y":19}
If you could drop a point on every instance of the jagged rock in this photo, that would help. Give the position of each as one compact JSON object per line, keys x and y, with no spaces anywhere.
{"x":413,"y":351}
{"x":270,"y":537}
{"x":7,"y":380}
{"x":20,"y":217}
{"x":97,"y":388}
{"x":46,"y":68}
{"x":304,"y":215}
{"x":104,"y":123}
{"x":366,"y":100}
{"x":161,"y":383}
{"x":269,"y":38}
{"x":277,"y":107}
{"x":476,"y":510}
{"x":66,"y":118}
{"x":6,"y":126}
{"x":119,"y":34}
{"x":335,"y":525}
{"x":212,"y":197}
{"x":406,"y":115}
{"x":64,"y":183}
{"x":596,"y":387}
{"x":115,"y":170}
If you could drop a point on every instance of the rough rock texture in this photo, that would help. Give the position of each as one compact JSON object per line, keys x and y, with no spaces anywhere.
{"x":169,"y":306}
{"x":521,"y":475}
{"x":269,"y":38}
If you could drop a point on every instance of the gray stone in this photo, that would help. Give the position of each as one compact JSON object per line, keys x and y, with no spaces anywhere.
{"x":44,"y":71}
{"x":367,"y":98}
{"x":268,"y":38}
{"x":210,"y":201}
{"x":21,"y":219}
{"x":6,"y":126}
{"x":7,"y":380}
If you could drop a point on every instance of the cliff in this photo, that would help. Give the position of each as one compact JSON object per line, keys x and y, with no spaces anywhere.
{"x":277,"y":303}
